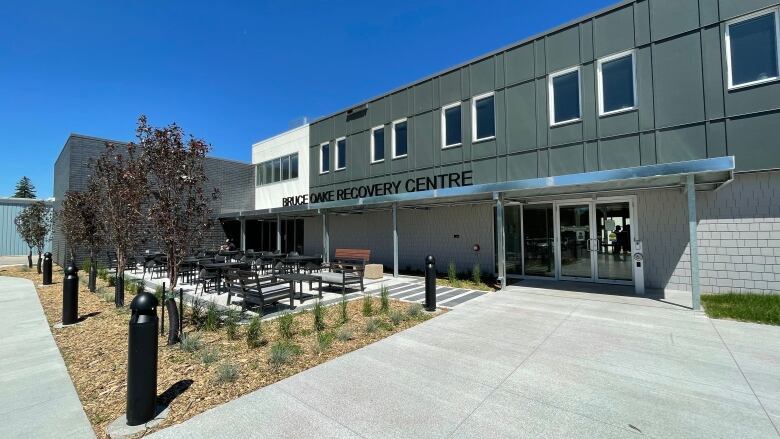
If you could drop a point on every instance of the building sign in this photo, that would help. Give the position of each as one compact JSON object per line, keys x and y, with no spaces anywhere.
{"x":439,"y":181}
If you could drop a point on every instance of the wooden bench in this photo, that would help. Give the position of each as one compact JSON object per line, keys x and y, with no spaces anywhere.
{"x":255,"y":290}
{"x":347,"y":268}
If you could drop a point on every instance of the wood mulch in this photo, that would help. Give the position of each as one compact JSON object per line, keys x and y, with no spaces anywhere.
{"x":95,"y":351}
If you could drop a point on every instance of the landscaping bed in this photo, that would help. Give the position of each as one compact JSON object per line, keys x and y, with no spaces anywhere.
{"x":209,"y":368}
{"x":757,"y":308}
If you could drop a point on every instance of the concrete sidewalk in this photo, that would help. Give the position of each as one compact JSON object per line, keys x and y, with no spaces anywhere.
{"x":37,"y":397}
{"x":527,"y":362}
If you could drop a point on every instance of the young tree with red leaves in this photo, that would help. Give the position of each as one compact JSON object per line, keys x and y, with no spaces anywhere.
{"x":120,"y":182}
{"x":78,"y":219}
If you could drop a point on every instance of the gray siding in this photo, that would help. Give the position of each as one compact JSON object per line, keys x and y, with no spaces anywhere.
{"x":685,"y":110}
{"x":11,"y":243}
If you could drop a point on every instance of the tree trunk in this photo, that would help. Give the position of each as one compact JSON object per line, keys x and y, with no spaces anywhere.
{"x":119,"y":291}
{"x":29,"y":258}
{"x":39,"y":261}
{"x":173,"y":321}
{"x":92,"y":272}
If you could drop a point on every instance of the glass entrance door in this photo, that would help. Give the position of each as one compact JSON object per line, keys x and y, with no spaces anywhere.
{"x":574,"y":241}
{"x":613,"y":241}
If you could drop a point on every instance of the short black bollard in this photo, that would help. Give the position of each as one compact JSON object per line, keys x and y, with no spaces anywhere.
{"x":70,"y":295}
{"x":47,"y":268}
{"x":142,"y":360}
{"x":430,"y":283}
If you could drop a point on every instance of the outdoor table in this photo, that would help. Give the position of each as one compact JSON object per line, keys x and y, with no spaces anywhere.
{"x":301,"y":278}
{"x":219,"y":267}
{"x":298,"y":260}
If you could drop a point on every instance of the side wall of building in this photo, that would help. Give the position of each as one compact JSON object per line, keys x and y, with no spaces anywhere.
{"x":291,"y":142}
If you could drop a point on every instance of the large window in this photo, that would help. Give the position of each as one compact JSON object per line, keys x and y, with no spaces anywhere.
{"x":324,"y":158}
{"x":400,"y":139}
{"x":378,"y":144}
{"x":564,"y":96}
{"x":751,"y":46}
{"x":617,"y":83}
{"x":451,"y":132}
{"x":276,"y":170}
{"x":483,"y":117}
{"x":341,"y":153}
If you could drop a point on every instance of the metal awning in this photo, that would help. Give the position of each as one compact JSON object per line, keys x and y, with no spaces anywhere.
{"x":708,"y":174}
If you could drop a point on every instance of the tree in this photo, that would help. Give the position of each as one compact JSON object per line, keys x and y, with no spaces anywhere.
{"x":179,"y":213}
{"x":79,"y":222}
{"x":120,"y":183}
{"x":34,"y":223}
{"x":24,"y":188}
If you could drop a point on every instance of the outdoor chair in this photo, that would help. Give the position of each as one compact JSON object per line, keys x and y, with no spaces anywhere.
{"x":206,"y":277}
{"x":111,"y":260}
{"x":255,"y":290}
{"x":347,"y":268}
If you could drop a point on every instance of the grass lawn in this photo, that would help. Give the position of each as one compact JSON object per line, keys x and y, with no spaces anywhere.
{"x":758,"y":308}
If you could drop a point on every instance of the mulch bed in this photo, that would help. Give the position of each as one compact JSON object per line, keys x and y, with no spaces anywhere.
{"x":95,"y":352}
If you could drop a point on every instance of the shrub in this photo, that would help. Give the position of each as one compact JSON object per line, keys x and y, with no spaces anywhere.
{"x":86,"y":265}
{"x":476,"y":274}
{"x":323,"y":341}
{"x":196,"y":312}
{"x":368,"y":305}
{"x":231,"y":323}
{"x":415,"y":310}
{"x":209,"y":355}
{"x":102,"y":272}
{"x":212,"y":321}
{"x":344,"y":334}
{"x":371,"y":326}
{"x":227,"y":372}
{"x":452,"y":273}
{"x":343,"y":314}
{"x":254,"y":333}
{"x":111,"y":281}
{"x":384,"y":299}
{"x":282,"y":352}
{"x":319,"y":316}
{"x":191,"y":342}
{"x":396,"y":317}
{"x":285,"y":322}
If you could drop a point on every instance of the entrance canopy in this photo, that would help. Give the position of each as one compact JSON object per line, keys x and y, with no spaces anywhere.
{"x":708,"y":174}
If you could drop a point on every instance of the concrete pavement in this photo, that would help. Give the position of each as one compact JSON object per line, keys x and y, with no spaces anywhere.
{"x":530,"y":362}
{"x":37,"y":397}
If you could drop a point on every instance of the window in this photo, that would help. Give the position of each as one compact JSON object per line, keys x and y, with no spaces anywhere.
{"x":483,"y":117}
{"x":617,"y":83}
{"x":276,"y":170}
{"x":564,"y":96}
{"x":378,"y":144}
{"x":268,"y":173}
{"x":324,"y":158}
{"x":285,"y":168}
{"x":751,"y":46}
{"x":294,"y":166}
{"x":259,"y":174}
{"x":400,"y":139}
{"x":451,"y":132}
{"x":341,"y":153}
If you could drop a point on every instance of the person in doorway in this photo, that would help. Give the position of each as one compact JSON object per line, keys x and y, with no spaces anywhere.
{"x":627,"y":239}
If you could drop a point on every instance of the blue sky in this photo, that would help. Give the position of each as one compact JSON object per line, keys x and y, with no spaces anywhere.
{"x":232,"y":73}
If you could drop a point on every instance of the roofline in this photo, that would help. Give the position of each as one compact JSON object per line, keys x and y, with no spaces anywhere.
{"x":281,"y":134}
{"x":525,"y":40}
{"x":25,"y":200}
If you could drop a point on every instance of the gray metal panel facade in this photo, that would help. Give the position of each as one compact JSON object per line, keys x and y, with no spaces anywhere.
{"x":11,"y":243}
{"x":685,"y":110}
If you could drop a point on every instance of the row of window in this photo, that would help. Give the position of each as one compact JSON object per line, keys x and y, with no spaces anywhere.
{"x":752,"y":58}
{"x":276,"y":170}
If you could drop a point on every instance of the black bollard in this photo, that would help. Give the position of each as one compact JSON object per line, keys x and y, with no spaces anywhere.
{"x":47,"y":268}
{"x":142,"y":360}
{"x":430,"y":283}
{"x":70,"y":295}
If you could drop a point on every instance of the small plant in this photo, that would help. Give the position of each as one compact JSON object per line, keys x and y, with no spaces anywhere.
{"x":191,"y":342}
{"x":227,"y":372}
{"x":415,"y":310}
{"x":209,"y":356}
{"x":323,"y":341}
{"x":476,"y":274}
{"x":196,"y":312}
{"x":286,"y":325}
{"x":111,"y":281}
{"x":371,"y":326}
{"x":231,"y":323}
{"x":343,"y":314}
{"x":452,"y":273}
{"x":212,"y":317}
{"x":86,"y":265}
{"x":344,"y":334}
{"x":254,"y":333}
{"x":396,"y":317}
{"x":384,"y":299}
{"x":102,"y":272}
{"x":282,"y":352}
{"x":368,"y":305}
{"x":319,"y":316}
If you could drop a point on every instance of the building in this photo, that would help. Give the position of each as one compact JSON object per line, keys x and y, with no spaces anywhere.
{"x":11,"y":243}
{"x":637,"y":145}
